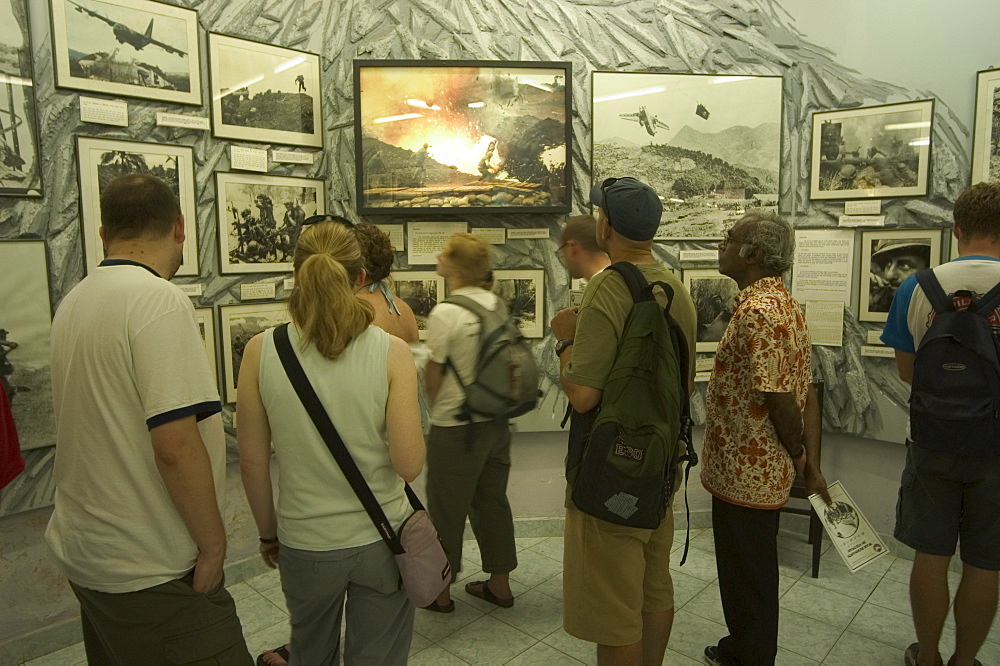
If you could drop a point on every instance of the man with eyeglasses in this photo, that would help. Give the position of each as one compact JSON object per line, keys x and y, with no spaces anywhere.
{"x":617,"y":590}
{"x":762,"y":428}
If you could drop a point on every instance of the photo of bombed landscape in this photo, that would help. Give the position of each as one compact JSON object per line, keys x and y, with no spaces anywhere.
{"x":436,"y":137}
{"x":709,"y":145}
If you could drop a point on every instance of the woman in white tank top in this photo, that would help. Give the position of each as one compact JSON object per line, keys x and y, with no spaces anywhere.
{"x":319,"y":533}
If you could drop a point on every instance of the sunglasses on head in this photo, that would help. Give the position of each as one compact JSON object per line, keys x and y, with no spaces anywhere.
{"x":313,"y":219}
{"x":608,"y":182}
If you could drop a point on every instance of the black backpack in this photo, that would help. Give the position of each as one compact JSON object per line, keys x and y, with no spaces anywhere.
{"x":623,"y":467}
{"x":506,"y":377}
{"x":955,"y":396}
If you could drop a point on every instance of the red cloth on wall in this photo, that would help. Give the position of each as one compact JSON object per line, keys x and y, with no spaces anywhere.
{"x":11,"y":462}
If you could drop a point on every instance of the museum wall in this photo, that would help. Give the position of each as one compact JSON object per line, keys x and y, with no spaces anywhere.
{"x":864,"y":413}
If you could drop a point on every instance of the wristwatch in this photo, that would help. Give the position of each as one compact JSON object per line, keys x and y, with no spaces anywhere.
{"x":562,"y":345}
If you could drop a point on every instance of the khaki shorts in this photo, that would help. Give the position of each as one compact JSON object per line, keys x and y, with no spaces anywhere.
{"x":612,"y":575}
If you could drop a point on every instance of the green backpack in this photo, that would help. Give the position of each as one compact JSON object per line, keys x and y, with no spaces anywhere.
{"x":623,"y":468}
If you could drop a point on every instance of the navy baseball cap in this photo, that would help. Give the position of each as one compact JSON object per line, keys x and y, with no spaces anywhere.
{"x":631,"y":206}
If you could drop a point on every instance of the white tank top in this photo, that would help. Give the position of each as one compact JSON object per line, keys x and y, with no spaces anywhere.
{"x":317,"y":510}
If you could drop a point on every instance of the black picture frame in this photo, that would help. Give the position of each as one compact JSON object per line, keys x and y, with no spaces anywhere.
{"x":485,"y":152}
{"x":20,"y":156}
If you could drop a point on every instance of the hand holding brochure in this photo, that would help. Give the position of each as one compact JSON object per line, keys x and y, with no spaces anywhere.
{"x":851,"y":533}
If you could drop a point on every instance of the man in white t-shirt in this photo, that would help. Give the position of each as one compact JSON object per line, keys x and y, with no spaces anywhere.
{"x":468,"y":458}
{"x":140,"y":457}
{"x":947,"y":496}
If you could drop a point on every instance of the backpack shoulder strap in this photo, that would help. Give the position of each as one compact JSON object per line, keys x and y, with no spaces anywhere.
{"x":933,"y":291}
{"x":634,"y":280}
{"x":989,"y":301}
{"x":468,"y":304}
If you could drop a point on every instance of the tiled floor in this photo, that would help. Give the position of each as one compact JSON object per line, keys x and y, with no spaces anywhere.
{"x":860,"y":619}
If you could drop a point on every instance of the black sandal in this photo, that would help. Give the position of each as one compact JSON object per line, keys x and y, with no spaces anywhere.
{"x":437,"y":608}
{"x":486,"y":594}
{"x":280,"y":651}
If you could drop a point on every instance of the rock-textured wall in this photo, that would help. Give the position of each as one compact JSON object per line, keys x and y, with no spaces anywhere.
{"x":722,"y":36}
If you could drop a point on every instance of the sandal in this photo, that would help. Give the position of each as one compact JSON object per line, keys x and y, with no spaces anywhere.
{"x":437,"y":608}
{"x":280,"y":651}
{"x":486,"y":594}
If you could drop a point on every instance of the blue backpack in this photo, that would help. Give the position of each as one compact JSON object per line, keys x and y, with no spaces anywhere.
{"x":955,"y":396}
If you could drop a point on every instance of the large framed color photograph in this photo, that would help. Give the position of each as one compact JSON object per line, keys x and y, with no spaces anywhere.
{"x":239,"y":323}
{"x":873,"y":152}
{"x":986,"y":136}
{"x":259,"y":219}
{"x":445,"y":136}
{"x":131,"y":48}
{"x":103,"y":160}
{"x":893,"y":256}
{"x":20,"y":162}
{"x":25,"y":330}
{"x":264,"y":93}
{"x":709,"y":145}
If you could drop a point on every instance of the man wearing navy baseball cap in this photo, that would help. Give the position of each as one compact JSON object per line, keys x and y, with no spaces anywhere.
{"x":617,"y":589}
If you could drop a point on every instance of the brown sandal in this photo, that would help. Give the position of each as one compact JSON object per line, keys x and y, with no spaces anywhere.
{"x":486,"y":594}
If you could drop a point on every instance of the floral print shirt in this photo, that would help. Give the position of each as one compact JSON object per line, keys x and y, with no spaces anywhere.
{"x":765,"y":349}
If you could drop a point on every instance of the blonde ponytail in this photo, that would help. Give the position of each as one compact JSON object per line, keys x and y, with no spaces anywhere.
{"x":323,"y":305}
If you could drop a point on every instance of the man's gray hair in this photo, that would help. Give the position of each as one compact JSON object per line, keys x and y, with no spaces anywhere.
{"x":773,"y":235}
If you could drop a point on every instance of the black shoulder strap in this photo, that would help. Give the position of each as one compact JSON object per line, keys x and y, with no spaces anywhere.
{"x":303,"y":388}
{"x":634,"y":280}
{"x":933,"y":291}
{"x":989,"y":302}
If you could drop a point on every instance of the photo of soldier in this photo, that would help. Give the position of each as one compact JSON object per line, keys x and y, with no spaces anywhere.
{"x":264,"y":221}
{"x":894,"y":260}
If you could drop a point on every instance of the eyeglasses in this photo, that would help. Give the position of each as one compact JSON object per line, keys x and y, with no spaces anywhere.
{"x":314,"y":219}
{"x":728,"y":238}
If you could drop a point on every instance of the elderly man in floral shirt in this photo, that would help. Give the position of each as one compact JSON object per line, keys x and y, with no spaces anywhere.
{"x":762,"y":429}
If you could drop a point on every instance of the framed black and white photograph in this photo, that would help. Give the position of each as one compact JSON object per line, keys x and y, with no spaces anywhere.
{"x":436,"y":137}
{"x":129,"y":48}
{"x":205,"y":317}
{"x":891,"y":257}
{"x":986,"y":135}
{"x":100,"y":161}
{"x":872,"y":152}
{"x":20,"y":163}
{"x":713,"y":295}
{"x":259,"y":219}
{"x":264,"y":93}
{"x":523,"y":292}
{"x":709,"y":145}
{"x":238,"y":324}
{"x":421,"y":290}
{"x":25,"y":332}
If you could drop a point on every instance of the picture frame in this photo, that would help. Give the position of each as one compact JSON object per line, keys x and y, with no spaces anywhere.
{"x":127,"y":48}
{"x":99,"y":161}
{"x":251,"y":237}
{"x":986,"y":130}
{"x":421,"y":290}
{"x":20,"y":158}
{"x":890,"y":157}
{"x":205,"y":318}
{"x":686,"y":136}
{"x":447,"y":136}
{"x":713,"y":294}
{"x":25,"y":337}
{"x":523,"y":292}
{"x":264,"y":93}
{"x":239,"y":323}
{"x":892,"y":256}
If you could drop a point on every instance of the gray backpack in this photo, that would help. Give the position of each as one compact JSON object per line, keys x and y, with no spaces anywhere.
{"x":506,"y":377}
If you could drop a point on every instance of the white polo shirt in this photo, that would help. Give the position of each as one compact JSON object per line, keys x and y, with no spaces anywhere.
{"x":126,"y":356}
{"x":453,"y":333}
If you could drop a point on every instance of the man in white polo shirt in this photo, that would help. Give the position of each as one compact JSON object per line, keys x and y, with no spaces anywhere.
{"x":140,"y":457}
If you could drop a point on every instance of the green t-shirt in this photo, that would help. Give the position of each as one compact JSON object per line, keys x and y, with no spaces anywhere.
{"x":606,"y":304}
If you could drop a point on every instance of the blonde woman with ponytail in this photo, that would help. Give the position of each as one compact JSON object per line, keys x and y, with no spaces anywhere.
{"x":319,"y":533}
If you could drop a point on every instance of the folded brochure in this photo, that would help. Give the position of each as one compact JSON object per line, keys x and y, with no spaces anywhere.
{"x":851,"y":533}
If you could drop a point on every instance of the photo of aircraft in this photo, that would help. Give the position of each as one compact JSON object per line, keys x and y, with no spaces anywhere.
{"x":126,"y":35}
{"x":649,"y":122}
